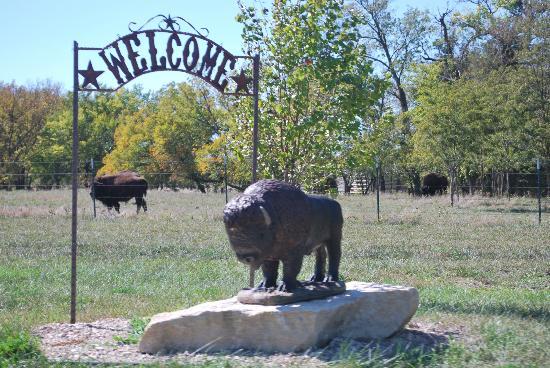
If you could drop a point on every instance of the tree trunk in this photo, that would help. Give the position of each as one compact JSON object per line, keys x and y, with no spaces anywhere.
{"x":482,"y":181}
{"x":347,"y":184}
{"x":452,"y":190}
{"x":458,"y":186}
{"x":372,"y":183}
{"x":20,"y":178}
{"x":414,"y":177}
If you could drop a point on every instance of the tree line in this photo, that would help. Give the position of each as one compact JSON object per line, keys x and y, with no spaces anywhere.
{"x":344,"y":85}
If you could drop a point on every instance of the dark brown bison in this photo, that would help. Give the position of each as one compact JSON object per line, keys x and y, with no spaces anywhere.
{"x":120,"y":187}
{"x":434,"y":183}
{"x":274,"y":221}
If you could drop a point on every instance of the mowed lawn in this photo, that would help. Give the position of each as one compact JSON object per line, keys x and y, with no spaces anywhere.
{"x":482,"y":267}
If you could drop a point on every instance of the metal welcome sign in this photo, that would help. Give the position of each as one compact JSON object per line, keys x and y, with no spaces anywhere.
{"x":144,"y":51}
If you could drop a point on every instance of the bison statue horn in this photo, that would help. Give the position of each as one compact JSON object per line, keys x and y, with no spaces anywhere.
{"x":267,"y":218}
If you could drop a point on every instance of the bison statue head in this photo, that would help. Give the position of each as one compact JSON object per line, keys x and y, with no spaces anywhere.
{"x":249,"y":227}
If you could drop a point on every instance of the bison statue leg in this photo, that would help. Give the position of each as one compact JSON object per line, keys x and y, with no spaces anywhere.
{"x":269,"y":269}
{"x":117,"y":206}
{"x":320,"y":262}
{"x":334,"y":254}
{"x":291,"y":270}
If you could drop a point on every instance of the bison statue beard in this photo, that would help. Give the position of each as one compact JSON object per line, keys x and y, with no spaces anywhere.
{"x":274,"y":222}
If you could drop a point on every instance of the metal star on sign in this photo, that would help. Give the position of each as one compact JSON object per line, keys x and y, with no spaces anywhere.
{"x":242,"y":82}
{"x":90,"y":76}
{"x":169,"y":21}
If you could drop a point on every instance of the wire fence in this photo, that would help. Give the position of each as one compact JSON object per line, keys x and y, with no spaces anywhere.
{"x":17,"y":175}
{"x":498,"y":185}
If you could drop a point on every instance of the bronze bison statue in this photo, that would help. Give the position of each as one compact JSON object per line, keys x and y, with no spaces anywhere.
{"x":274,"y":221}
{"x":120,"y":187}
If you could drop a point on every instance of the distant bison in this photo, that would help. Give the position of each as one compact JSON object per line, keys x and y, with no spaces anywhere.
{"x":274,"y":221}
{"x":434,"y":183}
{"x":120,"y":187}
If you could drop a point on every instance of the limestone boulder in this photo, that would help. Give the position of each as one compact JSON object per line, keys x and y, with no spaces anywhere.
{"x":364,"y":310}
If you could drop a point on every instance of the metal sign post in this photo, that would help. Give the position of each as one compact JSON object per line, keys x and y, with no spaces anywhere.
{"x":143,"y":51}
{"x":256,"y":114}
{"x":93,"y":186}
{"x":74,"y":184}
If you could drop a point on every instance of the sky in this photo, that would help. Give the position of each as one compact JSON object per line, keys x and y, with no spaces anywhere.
{"x":36,"y":36}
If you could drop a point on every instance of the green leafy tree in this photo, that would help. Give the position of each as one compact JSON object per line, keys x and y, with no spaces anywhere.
{"x":99,"y":116}
{"x":379,"y":141}
{"x":164,"y":138}
{"x":24,"y":112}
{"x":396,"y":44}
{"x":449,"y":121}
{"x":316,"y":85}
{"x":481,"y":105}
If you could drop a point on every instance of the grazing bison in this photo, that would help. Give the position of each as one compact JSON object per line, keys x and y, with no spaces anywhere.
{"x":434,"y":183}
{"x":120,"y":187}
{"x":274,"y":221}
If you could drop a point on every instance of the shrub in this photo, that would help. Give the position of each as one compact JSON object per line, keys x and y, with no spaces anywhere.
{"x":17,"y":347}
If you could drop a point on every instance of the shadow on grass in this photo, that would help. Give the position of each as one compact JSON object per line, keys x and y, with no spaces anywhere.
{"x":407,"y":346}
{"x":538,"y":313}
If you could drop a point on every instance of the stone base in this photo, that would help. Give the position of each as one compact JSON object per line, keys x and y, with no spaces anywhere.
{"x":364,"y":310}
{"x":308,"y":291}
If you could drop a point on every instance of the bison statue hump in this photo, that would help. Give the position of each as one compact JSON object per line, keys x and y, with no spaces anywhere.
{"x":434,"y":183}
{"x":274,"y":221}
{"x":120,"y":187}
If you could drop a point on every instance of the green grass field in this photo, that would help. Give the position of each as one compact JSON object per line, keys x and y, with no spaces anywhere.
{"x":482,"y":266}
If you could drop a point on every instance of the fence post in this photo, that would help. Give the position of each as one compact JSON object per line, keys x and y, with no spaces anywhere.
{"x":225,"y":172}
{"x":539,"y":190}
{"x":93,"y":186}
{"x":378,"y":188}
{"x":452,"y":187}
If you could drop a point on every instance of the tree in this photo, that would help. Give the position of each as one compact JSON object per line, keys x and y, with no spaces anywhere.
{"x":24,"y":111}
{"x":99,"y":116}
{"x":217,"y":162}
{"x":162,"y":140}
{"x":449,"y":120}
{"x":316,"y":85}
{"x":379,"y":140}
{"x":489,"y":82}
{"x":396,"y":44}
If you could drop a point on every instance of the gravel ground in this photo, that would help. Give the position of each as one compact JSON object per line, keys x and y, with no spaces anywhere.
{"x":95,"y":343}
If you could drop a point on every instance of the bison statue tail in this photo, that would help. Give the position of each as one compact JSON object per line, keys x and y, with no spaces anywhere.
{"x":146,"y":187}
